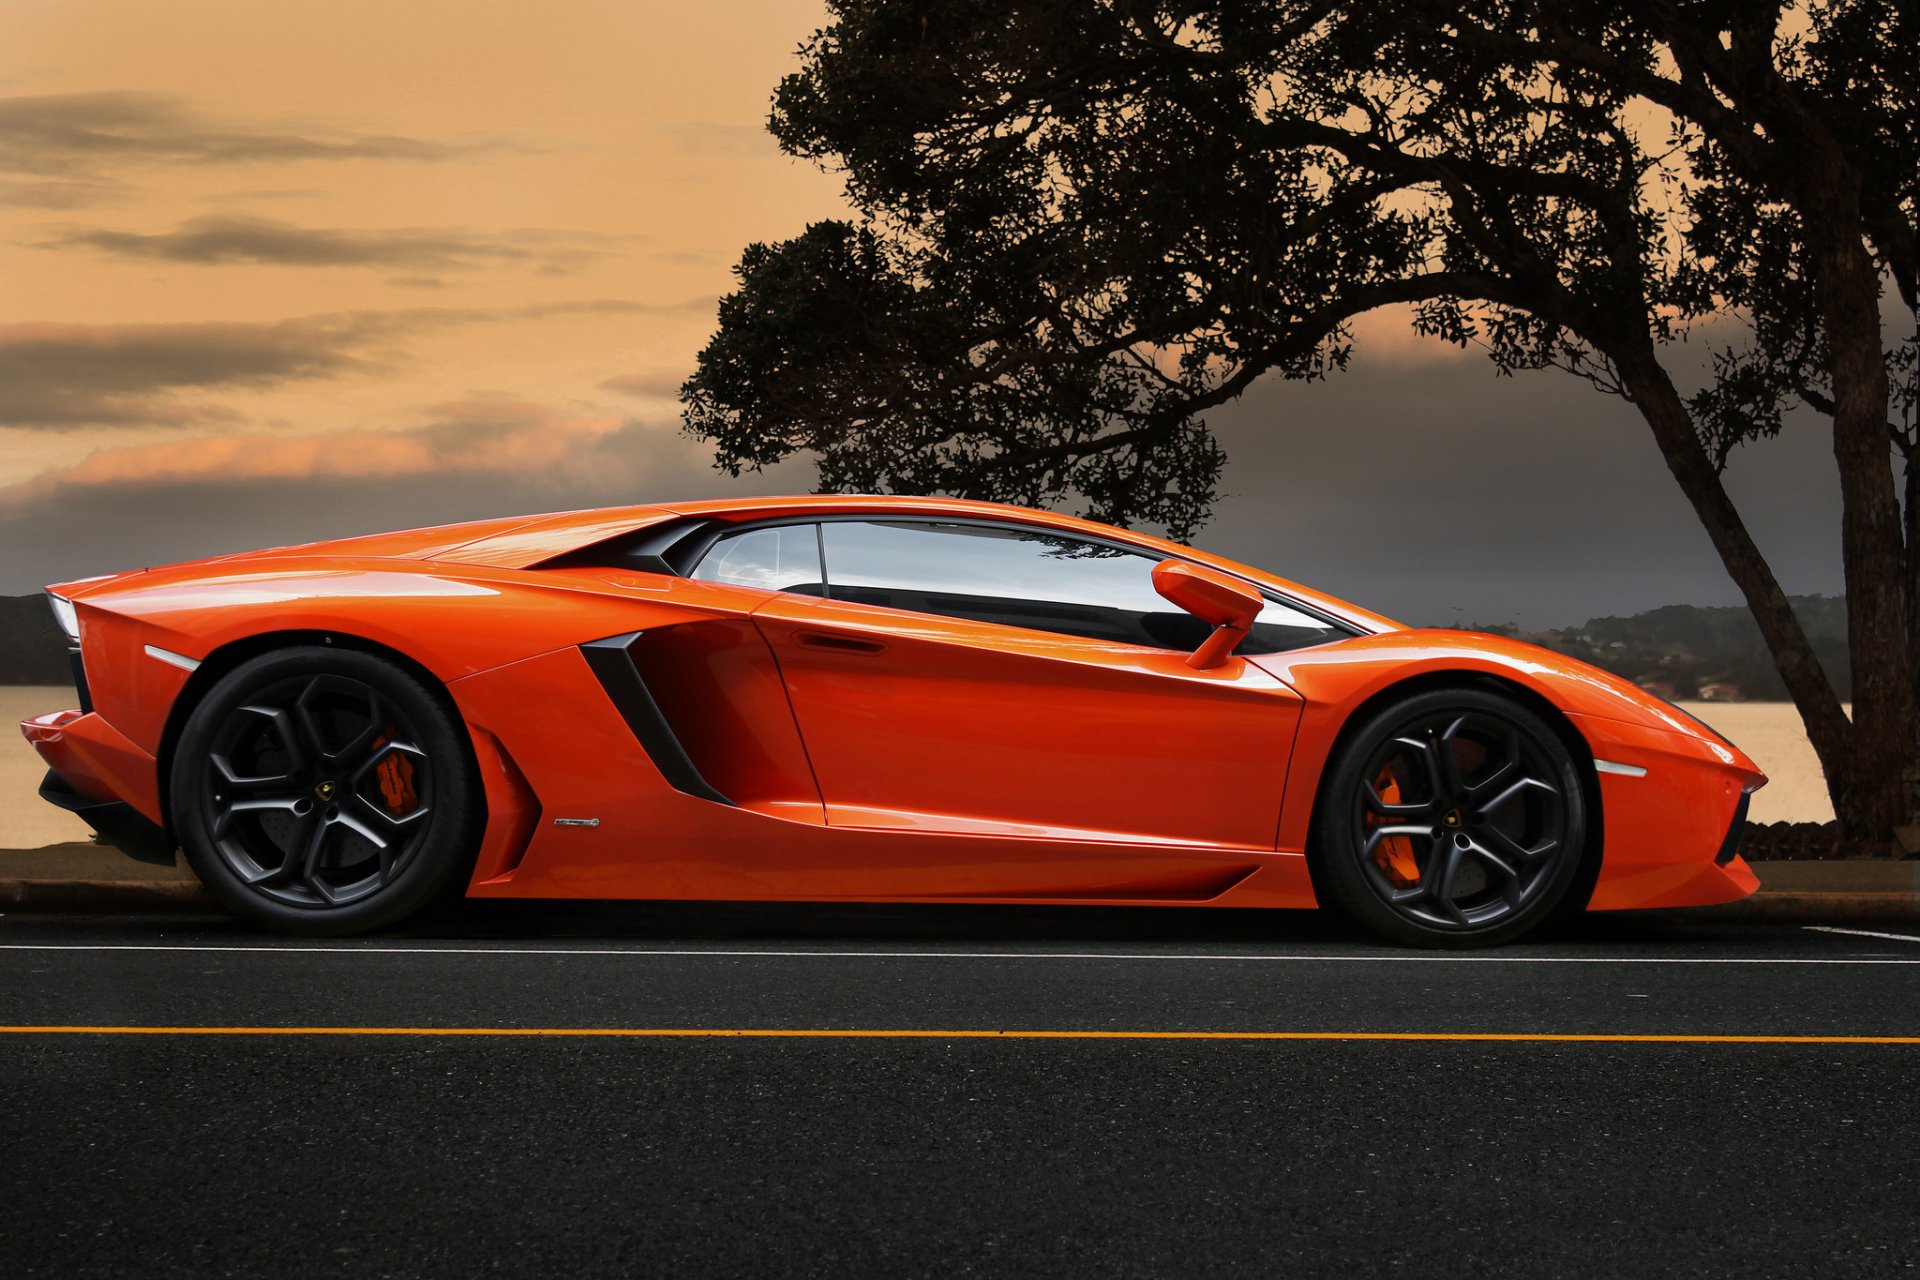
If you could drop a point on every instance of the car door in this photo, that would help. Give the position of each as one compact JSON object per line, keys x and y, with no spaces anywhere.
{"x":985,"y":677}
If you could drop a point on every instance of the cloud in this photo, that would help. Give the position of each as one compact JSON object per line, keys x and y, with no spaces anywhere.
{"x":77,"y":133}
{"x":262,"y":193}
{"x":54,"y":375}
{"x":500,"y":434}
{"x":685,"y":257}
{"x":225,"y":239}
{"x":720,"y":138}
{"x":76,"y":193}
{"x":57,"y":376}
{"x":591,"y":306}
{"x":647,"y":384}
{"x":468,"y":459}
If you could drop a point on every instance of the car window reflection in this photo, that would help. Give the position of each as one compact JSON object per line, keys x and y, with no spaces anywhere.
{"x":1028,"y":578}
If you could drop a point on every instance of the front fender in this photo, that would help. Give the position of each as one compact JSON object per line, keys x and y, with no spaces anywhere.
{"x":1662,"y":828}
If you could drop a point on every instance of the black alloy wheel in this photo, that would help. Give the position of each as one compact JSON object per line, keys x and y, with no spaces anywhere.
{"x":1452,"y":819}
{"x":324,"y":791}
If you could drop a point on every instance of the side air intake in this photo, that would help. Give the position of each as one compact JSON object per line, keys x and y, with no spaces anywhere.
{"x":1731,"y":845}
{"x":613,"y":664}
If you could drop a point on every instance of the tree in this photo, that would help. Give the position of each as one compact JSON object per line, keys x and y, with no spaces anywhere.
{"x":1081,"y":225}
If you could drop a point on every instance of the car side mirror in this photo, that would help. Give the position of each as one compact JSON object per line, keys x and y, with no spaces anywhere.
{"x":1225,"y":603}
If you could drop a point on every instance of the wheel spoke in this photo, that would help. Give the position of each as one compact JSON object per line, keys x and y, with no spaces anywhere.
{"x":1510,"y":740}
{"x":224,"y":815}
{"x":324,"y":890}
{"x":1446,"y":763}
{"x":1447,"y":869}
{"x":234,"y":783}
{"x":1420,"y":748}
{"x":314,"y":845}
{"x":373,"y":812}
{"x":1376,"y":834}
{"x":311,"y":739}
{"x":1429,"y":756}
{"x":1507,"y":846}
{"x":1512,"y":792}
{"x":1492,"y":859}
{"x":295,"y":857}
{"x":1394,"y":809}
{"x":359,"y":828}
{"x":363,"y":740}
{"x":367,"y":711}
{"x":284,"y":729}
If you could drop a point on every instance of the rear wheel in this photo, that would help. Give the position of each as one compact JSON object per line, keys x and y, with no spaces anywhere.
{"x":323,"y":791}
{"x":1451,"y":819}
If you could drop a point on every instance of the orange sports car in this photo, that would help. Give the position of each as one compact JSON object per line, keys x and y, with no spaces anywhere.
{"x":859,"y":698}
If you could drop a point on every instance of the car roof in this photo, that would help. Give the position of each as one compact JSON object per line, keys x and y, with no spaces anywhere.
{"x":529,"y":541}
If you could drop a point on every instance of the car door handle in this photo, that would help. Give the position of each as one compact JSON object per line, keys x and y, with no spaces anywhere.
{"x":839,"y":643}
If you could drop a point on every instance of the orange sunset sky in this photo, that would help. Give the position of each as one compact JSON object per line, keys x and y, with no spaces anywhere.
{"x":278,"y":271}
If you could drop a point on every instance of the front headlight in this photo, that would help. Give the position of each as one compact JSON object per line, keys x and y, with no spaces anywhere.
{"x":63,"y":614}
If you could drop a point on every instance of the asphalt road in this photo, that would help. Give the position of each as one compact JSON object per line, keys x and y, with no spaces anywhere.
{"x":1369,"y":1139}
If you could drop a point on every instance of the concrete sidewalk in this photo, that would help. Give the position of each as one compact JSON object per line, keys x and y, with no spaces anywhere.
{"x":90,"y":877}
{"x":1819,"y":891}
{"x":85,"y":877}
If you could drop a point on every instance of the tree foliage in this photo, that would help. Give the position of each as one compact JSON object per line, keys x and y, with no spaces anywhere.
{"x":1083,"y":225}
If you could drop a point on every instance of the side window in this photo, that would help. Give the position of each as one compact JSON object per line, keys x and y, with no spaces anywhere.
{"x":781,"y":558}
{"x":1029,"y":578}
{"x":1281,"y":627}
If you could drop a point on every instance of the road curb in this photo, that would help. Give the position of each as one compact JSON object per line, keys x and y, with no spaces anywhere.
{"x":102,"y":895}
{"x":1805,"y":908}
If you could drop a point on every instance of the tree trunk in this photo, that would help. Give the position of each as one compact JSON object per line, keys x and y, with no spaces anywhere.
{"x":1910,"y":460}
{"x":1875,"y":781}
{"x":1876,"y":791}
{"x":1651,"y":390}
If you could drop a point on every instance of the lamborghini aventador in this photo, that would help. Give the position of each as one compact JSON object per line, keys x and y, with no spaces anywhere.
{"x":859,"y":698}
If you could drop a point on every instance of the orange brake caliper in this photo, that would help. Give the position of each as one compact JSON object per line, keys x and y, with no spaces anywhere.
{"x":396,"y":781}
{"x":1394,"y":854}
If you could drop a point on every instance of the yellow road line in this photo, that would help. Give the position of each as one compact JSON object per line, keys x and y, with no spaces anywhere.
{"x":785,"y":1033}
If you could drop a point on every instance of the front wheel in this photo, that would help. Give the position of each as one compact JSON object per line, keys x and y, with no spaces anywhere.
{"x":1450,"y":819}
{"x":322,"y":791}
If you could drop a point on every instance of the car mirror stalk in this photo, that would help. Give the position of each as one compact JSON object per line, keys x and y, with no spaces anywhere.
{"x":1224,"y":602}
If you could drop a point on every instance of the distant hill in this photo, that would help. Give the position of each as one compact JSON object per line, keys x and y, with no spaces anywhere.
{"x":1689,"y":652}
{"x":32,"y":650}
{"x":1680,"y":648}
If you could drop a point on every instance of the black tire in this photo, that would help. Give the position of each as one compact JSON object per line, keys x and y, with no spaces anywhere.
{"x":323,"y":791}
{"x":1453,"y":818}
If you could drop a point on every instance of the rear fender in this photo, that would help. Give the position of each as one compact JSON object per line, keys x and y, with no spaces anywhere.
{"x":452,"y":623}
